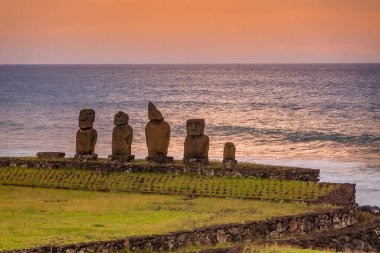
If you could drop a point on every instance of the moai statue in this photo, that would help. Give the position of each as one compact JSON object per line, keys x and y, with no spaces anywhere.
{"x":157,"y":133}
{"x":196,"y":143}
{"x":122,"y":136}
{"x":86,"y":136}
{"x":229,"y":160}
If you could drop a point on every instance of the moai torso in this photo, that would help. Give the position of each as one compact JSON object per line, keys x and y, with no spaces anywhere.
{"x":86,"y":136}
{"x":196,"y":143}
{"x":86,"y":140}
{"x":229,"y":152}
{"x":157,"y":133}
{"x":122,"y":135}
{"x":157,"y":138}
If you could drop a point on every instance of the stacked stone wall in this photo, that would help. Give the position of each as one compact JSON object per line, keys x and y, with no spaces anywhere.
{"x":298,"y":174}
{"x":247,"y":232}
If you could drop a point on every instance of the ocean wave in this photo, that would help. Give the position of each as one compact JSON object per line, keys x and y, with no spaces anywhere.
{"x":298,"y":136}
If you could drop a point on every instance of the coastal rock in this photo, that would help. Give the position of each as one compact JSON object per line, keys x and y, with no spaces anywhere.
{"x":157,"y":133}
{"x":86,"y":136}
{"x":196,"y":144}
{"x":371,"y":209}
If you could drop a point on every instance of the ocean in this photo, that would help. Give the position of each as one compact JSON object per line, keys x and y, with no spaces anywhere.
{"x":323,"y":116}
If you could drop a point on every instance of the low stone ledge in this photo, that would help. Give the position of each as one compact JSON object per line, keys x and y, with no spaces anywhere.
{"x":298,"y":174}
{"x":353,"y":238}
{"x":246,"y":232}
{"x":346,"y":193}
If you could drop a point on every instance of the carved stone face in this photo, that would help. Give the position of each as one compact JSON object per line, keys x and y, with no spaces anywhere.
{"x":86,"y":118}
{"x":121,"y":119}
{"x":195,"y":127}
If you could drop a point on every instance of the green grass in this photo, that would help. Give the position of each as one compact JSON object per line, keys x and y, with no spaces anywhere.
{"x":193,"y":185}
{"x":37,"y":216}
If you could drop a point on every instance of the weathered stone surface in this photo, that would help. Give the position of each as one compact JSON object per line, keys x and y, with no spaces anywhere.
{"x":121,"y":119}
{"x":86,"y":118}
{"x":85,"y":141}
{"x":86,"y":157}
{"x":157,"y":138}
{"x":371,"y":209}
{"x":122,"y":140}
{"x":291,"y":173}
{"x":229,"y":164}
{"x":160,"y":159}
{"x":121,"y":158}
{"x":157,"y":133}
{"x":229,"y":151}
{"x":196,"y":143}
{"x":86,"y":135}
{"x":50,"y":155}
{"x":154,"y":113}
{"x":195,"y":127}
{"x":229,"y":161}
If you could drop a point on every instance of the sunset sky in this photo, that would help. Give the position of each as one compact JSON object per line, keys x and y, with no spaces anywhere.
{"x":189,"y":31}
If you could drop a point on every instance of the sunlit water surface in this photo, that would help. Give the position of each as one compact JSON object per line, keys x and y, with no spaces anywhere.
{"x":317,"y":116}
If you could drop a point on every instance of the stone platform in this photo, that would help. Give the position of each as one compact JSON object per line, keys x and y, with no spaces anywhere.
{"x":160,"y":159}
{"x":50,"y":155}
{"x":121,"y":158}
{"x":189,"y":160}
{"x":85,"y":158}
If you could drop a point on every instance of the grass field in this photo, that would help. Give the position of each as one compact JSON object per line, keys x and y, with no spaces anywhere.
{"x":193,"y":185}
{"x":38,"y":216}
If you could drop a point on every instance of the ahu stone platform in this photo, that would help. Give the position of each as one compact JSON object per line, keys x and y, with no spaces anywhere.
{"x":242,"y":170}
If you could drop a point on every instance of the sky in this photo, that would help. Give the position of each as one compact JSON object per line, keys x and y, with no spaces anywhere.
{"x":189,"y":31}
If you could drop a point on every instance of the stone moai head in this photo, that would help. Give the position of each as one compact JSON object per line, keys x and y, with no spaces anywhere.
{"x":154,"y":113}
{"x":86,"y":118}
{"x":195,"y":127}
{"x":121,"y":119}
{"x":229,"y":151}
